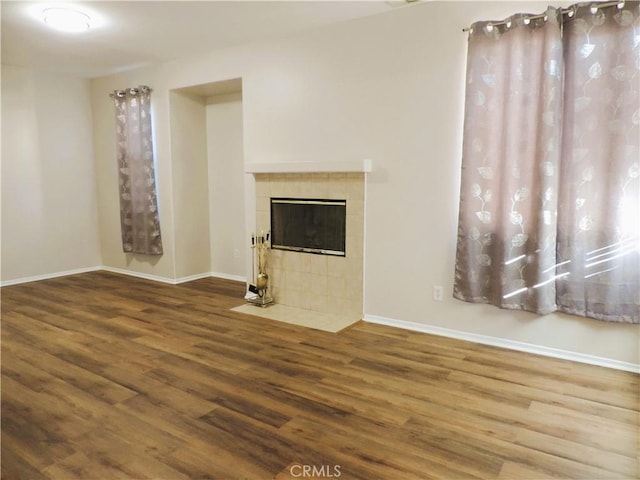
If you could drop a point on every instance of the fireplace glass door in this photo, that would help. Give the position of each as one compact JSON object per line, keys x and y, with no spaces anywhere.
{"x":309,"y":225}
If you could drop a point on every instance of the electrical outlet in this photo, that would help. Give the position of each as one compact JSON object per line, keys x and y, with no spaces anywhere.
{"x":438,"y":293}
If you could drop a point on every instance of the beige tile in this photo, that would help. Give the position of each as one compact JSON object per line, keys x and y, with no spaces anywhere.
{"x":336,"y":287}
{"x":281,"y":297}
{"x":319,"y":303}
{"x":294,"y":281}
{"x":353,"y":308}
{"x":354,"y":290}
{"x":262,"y":221}
{"x":337,"y":189}
{"x":277,"y":277}
{"x":304,"y":300}
{"x":263,"y":204}
{"x":354,"y":268}
{"x":288,"y":259}
{"x":354,"y":246}
{"x":304,"y":262}
{"x":335,"y":195}
{"x":317,"y":186}
{"x":274,"y":258}
{"x":355,"y":188}
{"x":355,"y":206}
{"x":336,"y":266}
{"x":305,"y":318}
{"x":355,"y":224}
{"x":294,"y":300}
{"x":262,"y":188}
{"x":279,"y":177}
{"x":292,"y":262}
{"x":336,"y":305}
{"x":294,"y":185}
{"x":318,"y":264}
{"x":300,"y":262}
{"x":277,"y":290}
{"x":277,"y":186}
{"x":318,"y":284}
{"x":274,"y":292}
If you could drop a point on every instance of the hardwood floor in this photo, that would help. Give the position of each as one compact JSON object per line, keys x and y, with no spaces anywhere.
{"x":111,"y":377}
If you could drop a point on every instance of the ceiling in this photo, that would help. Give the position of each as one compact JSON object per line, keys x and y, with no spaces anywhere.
{"x":130,"y":34}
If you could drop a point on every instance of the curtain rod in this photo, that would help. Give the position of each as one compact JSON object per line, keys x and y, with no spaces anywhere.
{"x":131,"y":91}
{"x":569,"y":11}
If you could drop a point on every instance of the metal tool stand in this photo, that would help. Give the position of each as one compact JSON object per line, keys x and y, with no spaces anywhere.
{"x":258,"y":293}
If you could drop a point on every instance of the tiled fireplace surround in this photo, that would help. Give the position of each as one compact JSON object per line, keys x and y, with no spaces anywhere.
{"x":320,"y":283}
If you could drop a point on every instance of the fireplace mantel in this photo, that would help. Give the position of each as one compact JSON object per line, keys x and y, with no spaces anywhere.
{"x":356,"y":166}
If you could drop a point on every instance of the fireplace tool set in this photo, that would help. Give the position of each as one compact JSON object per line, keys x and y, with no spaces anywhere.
{"x":259,"y":291}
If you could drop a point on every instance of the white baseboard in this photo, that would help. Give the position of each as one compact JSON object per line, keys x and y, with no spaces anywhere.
{"x":191,"y":278}
{"x":48,"y":276}
{"x":157,"y":278}
{"x":145,"y":276}
{"x":228,"y":276}
{"x":505,"y":343}
{"x":122,"y":271}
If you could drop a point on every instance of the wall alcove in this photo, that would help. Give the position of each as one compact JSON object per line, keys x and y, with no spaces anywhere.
{"x":208,"y":179}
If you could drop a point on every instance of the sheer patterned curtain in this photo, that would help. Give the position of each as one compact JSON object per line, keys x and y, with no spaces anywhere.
{"x":139,"y":219}
{"x":599,"y":224}
{"x":549,"y":208}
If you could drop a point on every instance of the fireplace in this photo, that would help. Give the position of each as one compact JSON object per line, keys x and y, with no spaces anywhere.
{"x":331,"y":282}
{"x":309,"y":225}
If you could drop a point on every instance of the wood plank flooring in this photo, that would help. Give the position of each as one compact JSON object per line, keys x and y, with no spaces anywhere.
{"x":110,"y":377}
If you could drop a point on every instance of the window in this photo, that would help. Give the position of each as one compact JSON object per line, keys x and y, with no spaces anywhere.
{"x":549,"y":206}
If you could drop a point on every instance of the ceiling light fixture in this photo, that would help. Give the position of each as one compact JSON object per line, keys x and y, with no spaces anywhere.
{"x":66,"y":19}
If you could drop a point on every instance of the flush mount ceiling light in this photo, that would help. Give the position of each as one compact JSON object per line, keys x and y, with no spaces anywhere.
{"x":66,"y":19}
{"x":400,"y":3}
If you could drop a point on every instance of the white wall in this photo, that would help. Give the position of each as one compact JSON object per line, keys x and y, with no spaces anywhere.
{"x":226,"y":186}
{"x":49,"y":203}
{"x":190,"y":184}
{"x":390,"y":88}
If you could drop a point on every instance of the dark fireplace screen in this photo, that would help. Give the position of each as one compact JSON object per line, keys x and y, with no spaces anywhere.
{"x":309,"y":225}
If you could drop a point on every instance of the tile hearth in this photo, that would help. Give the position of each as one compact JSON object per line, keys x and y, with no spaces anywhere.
{"x":326,"y":322}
